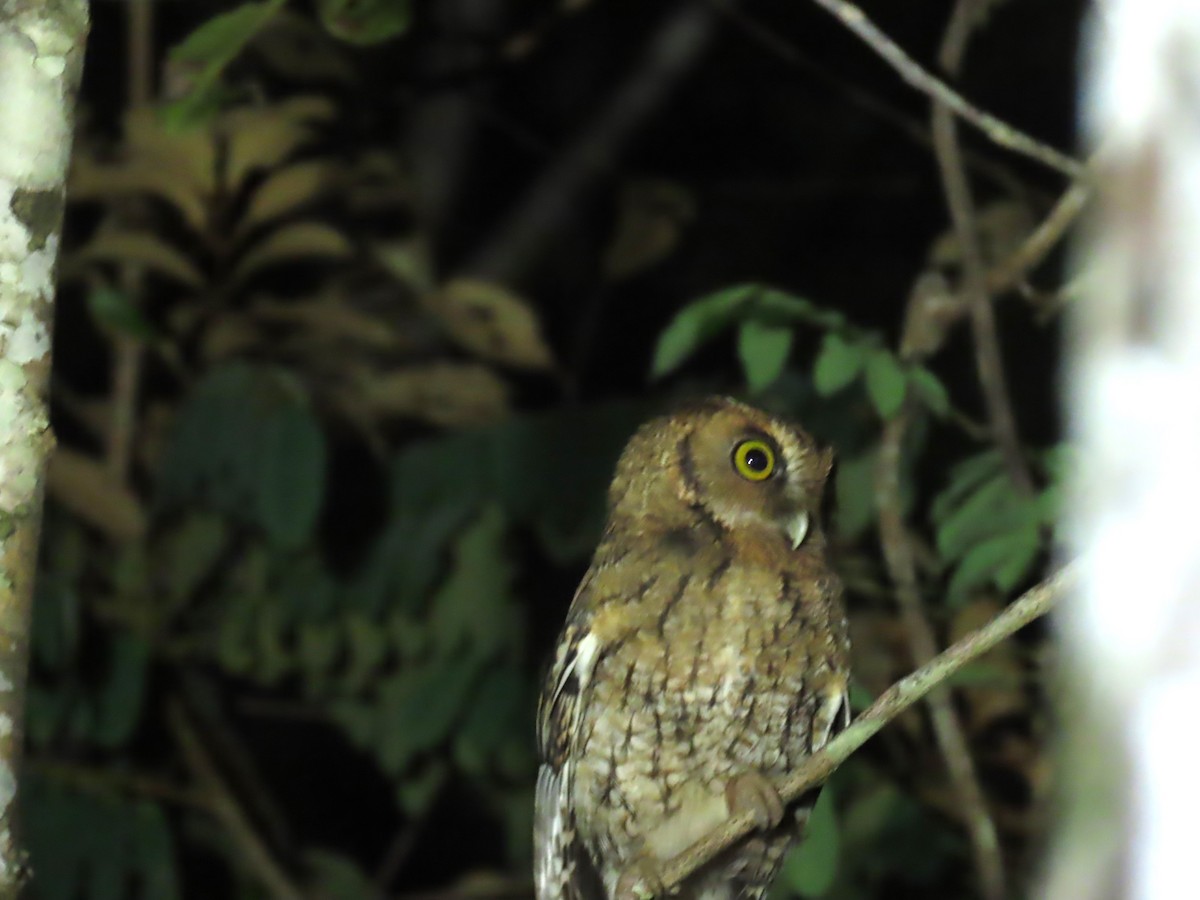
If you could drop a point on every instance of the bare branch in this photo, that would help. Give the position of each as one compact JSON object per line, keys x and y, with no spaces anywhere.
{"x":998,"y":131}
{"x":520,"y":237}
{"x":1043,"y":239}
{"x":951,"y":742}
{"x":225,"y":807}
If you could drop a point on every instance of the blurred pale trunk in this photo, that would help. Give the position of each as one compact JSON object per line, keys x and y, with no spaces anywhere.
{"x":1132,"y":632}
{"x":41,"y":57}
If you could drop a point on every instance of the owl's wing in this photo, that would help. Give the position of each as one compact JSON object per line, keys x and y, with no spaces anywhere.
{"x":830,"y":717}
{"x":558,"y":856}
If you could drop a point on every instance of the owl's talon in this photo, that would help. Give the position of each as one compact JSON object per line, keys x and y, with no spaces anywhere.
{"x":640,"y":881}
{"x":752,"y":792}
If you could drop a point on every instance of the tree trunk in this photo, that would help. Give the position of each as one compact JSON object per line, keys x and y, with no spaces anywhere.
{"x":41,"y":58}
{"x":1132,"y":631}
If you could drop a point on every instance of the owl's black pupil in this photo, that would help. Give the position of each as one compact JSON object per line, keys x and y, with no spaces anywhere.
{"x":756,"y":460}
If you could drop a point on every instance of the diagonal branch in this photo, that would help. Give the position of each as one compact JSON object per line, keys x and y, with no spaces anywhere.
{"x":962,"y":213}
{"x":228,"y":811}
{"x":997,"y":130}
{"x":947,"y":731}
{"x":1034,"y":603}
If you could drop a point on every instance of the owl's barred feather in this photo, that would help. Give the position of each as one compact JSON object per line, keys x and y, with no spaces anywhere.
{"x":704,"y":655}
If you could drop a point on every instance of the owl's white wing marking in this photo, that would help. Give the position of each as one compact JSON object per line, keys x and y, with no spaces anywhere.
{"x":553,"y":834}
{"x":555,"y":846}
{"x":831,"y":717}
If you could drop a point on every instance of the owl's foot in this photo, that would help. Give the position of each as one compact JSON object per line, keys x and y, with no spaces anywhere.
{"x":752,"y":792}
{"x":640,"y":881}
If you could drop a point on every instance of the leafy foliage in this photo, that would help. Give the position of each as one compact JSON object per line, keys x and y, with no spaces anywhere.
{"x":989,"y":533}
{"x":366,"y":471}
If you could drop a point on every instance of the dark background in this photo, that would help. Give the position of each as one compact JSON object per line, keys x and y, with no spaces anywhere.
{"x":310,"y":662}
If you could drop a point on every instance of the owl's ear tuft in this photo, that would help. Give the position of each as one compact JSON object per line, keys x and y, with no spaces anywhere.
{"x":828,"y":461}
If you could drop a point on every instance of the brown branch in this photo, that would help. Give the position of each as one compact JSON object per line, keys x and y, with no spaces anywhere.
{"x":112,"y":781}
{"x":897,"y":549}
{"x":914,"y":129}
{"x":1042,"y":239}
{"x":226,"y":808}
{"x":1034,"y":603}
{"x":128,"y":350}
{"x":988,"y":359}
{"x":998,"y":131}
{"x":948,"y":733}
{"x":522,"y":236}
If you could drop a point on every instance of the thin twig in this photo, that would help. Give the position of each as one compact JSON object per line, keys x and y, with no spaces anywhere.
{"x":401,"y":846}
{"x":127,"y":350}
{"x":113,"y":781}
{"x":995,"y":129}
{"x":952,"y":742}
{"x":1042,"y":239}
{"x":916,"y":130}
{"x":228,"y":811}
{"x":989,"y":362}
{"x":523,"y":234}
{"x":947,"y":731}
{"x":1034,"y":603}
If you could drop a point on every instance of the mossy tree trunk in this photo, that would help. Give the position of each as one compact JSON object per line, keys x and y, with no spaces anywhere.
{"x":41,"y":58}
{"x":1132,"y":631}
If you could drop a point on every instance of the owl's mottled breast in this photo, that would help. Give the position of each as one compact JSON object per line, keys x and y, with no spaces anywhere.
{"x":705,"y":654}
{"x":715,"y":665}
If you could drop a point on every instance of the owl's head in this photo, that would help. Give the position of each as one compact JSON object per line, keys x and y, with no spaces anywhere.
{"x":730,"y":462}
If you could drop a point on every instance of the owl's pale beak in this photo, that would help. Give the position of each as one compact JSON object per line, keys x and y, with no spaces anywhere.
{"x":797,"y":529}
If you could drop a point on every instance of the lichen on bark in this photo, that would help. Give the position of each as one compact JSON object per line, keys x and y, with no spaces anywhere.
{"x":41,"y":54}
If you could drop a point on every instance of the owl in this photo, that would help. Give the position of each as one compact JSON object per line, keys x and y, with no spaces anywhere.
{"x":705,"y":654}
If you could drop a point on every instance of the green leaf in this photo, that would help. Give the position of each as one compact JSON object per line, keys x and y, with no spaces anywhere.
{"x":838,"y":363}
{"x":417,"y":792}
{"x":810,"y":870}
{"x":367,"y":648}
{"x":964,"y":478}
{"x":233,"y":651}
{"x":246,"y":444}
{"x":219,"y":40}
{"x":763,"y":350}
{"x":358,"y":719}
{"x":552,"y":471}
{"x":418,"y":708}
{"x":436,"y":486}
{"x":189,"y":553}
{"x":46,"y":713}
{"x":1002,"y":560}
{"x":291,"y":477}
{"x":365,"y":22}
{"x":119,"y":703}
{"x":207,"y":52}
{"x":886,"y":383}
{"x":930,"y":389}
{"x":854,"y":488}
{"x":272,"y":659}
{"x":317,"y":649}
{"x":778,"y":307}
{"x":995,"y":508}
{"x":112,"y":308}
{"x":56,"y":614}
{"x":495,"y":713}
{"x":985,"y":675}
{"x":696,"y":324}
{"x":196,"y":108}
{"x":472,"y":606}
{"x":154,"y":852}
{"x":860,"y":697}
{"x":334,"y":875}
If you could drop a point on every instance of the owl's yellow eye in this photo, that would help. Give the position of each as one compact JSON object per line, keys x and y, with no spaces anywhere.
{"x":754,"y":460}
